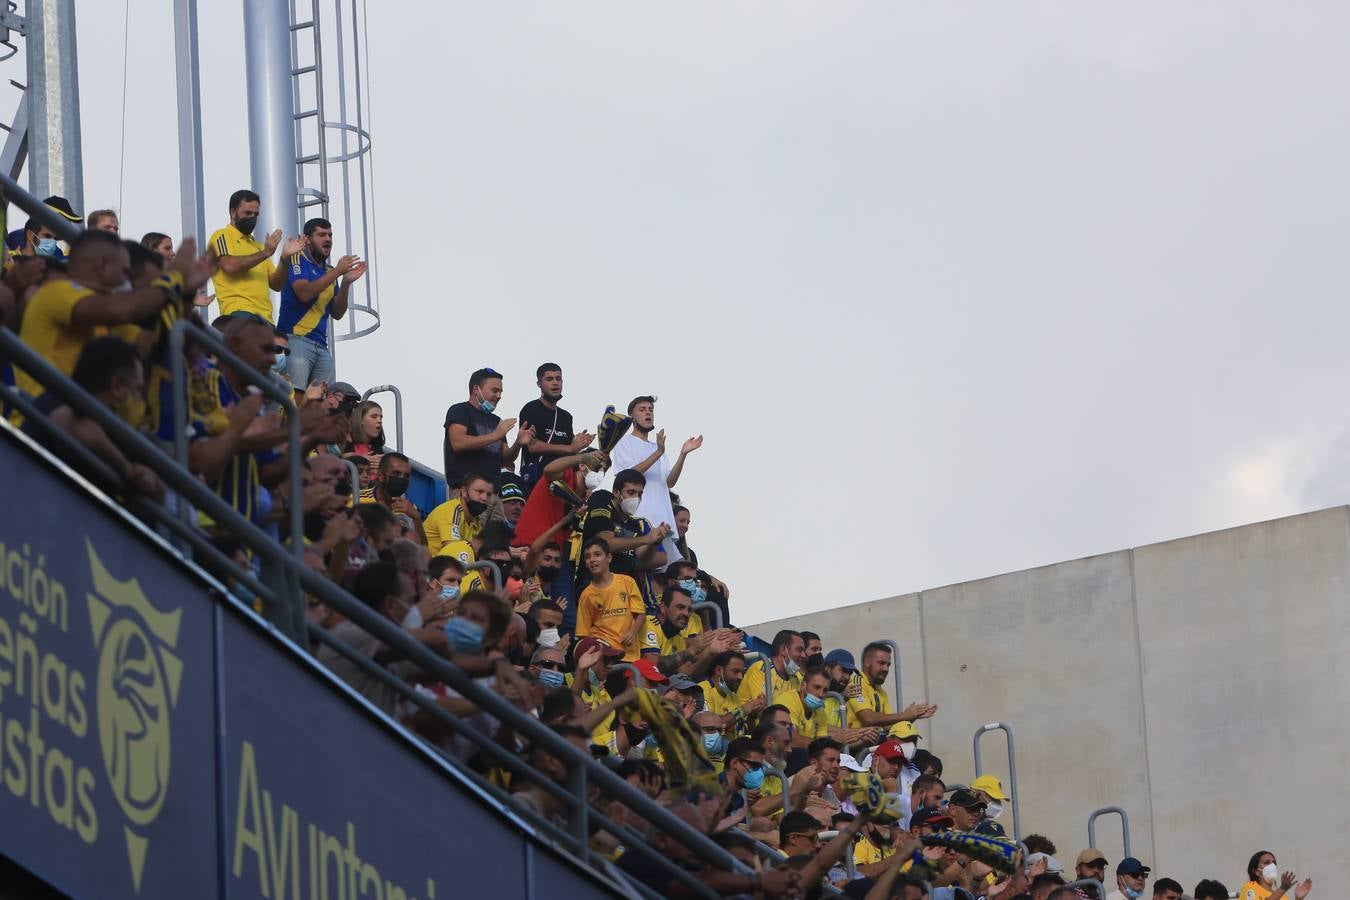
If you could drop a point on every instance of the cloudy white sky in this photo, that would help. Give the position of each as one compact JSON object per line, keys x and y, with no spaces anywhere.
{"x":951,"y":289}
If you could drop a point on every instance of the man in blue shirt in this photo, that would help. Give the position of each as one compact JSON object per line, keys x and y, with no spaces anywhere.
{"x":312,"y":294}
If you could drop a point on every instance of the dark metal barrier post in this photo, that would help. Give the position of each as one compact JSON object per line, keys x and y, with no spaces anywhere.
{"x":1124,"y":826}
{"x":783,"y":780}
{"x":1012,"y":769}
{"x":637,"y":676}
{"x":843,"y":707}
{"x":398,"y":409}
{"x":1092,"y":883}
{"x":895,"y":670}
{"x":714,"y":609}
{"x":355,"y":476}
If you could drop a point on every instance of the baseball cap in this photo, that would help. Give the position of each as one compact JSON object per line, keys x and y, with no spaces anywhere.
{"x":903,"y":731}
{"x":1052,"y":865}
{"x":512,"y":491}
{"x":932,"y":816}
{"x":1131,"y":866}
{"x":965,"y":799}
{"x":62,"y":206}
{"x":1091,"y":856}
{"x":682,"y":682}
{"x":991,"y":786}
{"x":846,"y":761}
{"x":343,"y":388}
{"x":646,"y":667}
{"x":990,"y":827}
{"x":590,"y":643}
{"x":841,"y":658}
{"x":889,"y":750}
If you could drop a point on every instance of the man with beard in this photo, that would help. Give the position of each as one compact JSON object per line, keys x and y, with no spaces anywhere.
{"x":552,"y":428}
{"x":246,"y":275}
{"x":312,"y":294}
{"x":460,"y":517}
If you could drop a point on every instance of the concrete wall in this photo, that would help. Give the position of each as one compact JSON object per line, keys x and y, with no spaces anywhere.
{"x":1202,"y":684}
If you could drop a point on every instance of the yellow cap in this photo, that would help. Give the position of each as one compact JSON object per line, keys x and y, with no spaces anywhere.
{"x":903,"y":731}
{"x":991,"y":786}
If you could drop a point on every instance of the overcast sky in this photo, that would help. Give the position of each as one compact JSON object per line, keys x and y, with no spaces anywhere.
{"x":949,"y":289}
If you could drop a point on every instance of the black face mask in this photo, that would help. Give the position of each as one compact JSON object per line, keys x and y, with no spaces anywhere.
{"x":547,"y":573}
{"x":475,"y":507}
{"x":247,"y":224}
{"x":838,"y":686}
{"x":815,"y":660}
{"x":635,"y":735}
{"x":396,"y":485}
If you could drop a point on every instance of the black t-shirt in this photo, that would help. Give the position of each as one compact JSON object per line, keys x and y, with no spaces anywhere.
{"x":552,"y":426}
{"x":487,"y":460}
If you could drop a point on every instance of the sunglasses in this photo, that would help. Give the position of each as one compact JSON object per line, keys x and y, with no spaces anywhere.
{"x":555,"y":666}
{"x":284,"y":351}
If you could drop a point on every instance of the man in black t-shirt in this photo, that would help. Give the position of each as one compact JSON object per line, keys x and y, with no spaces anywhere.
{"x":552,"y":427}
{"x":634,"y":543}
{"x":475,"y":438}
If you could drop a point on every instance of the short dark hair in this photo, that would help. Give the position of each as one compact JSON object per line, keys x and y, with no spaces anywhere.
{"x":1064,"y":893}
{"x":627,"y":477}
{"x":103,"y":359}
{"x":1210,"y":889}
{"x":762,"y":730}
{"x":315,"y":224}
{"x":97,"y":214}
{"x":547,"y":367}
{"x":392,"y":455}
{"x":741,"y":748}
{"x":820,"y":745}
{"x":674,"y":569}
{"x":376,"y":582}
{"x":436,"y":568}
{"x":772,"y":708}
{"x":925,"y":758}
{"x":471,"y":477}
{"x":796,"y":822}
{"x":375,"y":516}
{"x":243,"y":195}
{"x":636,"y":400}
{"x":1036,"y":843}
{"x":928,"y":782}
{"x":720,"y":660}
{"x":809,"y":636}
{"x":812,"y":672}
{"x":1048,"y":879}
{"x":481,"y":375}
{"x":499,"y":613}
{"x":875,"y":647}
{"x":141,"y":257}
{"x":544,"y":605}
{"x":674,"y":589}
{"x":558,"y":702}
{"x":596,"y":542}
{"x":783,"y":639}
{"x":1166,"y":884}
{"x":92,"y":240}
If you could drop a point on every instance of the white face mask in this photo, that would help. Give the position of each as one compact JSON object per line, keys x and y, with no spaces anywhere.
{"x":1270,"y":874}
{"x":909,"y":748}
{"x":993,"y":810}
{"x":413,"y":619}
{"x":549,"y":637}
{"x":593,"y":480}
{"x":630,"y":505}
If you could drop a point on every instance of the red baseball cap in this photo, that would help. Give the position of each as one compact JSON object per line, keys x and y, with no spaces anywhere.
{"x":890,"y":750}
{"x":650,"y":673}
{"x":590,"y":643}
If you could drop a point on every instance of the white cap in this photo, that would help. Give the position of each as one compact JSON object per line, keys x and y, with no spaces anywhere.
{"x":848,"y":762}
{"x":1052,"y":865}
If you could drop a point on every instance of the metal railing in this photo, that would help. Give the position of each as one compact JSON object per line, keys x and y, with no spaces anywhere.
{"x":843,"y":706}
{"x":355,"y":475}
{"x":1092,"y":883}
{"x":1124,"y":826}
{"x":714,"y":609}
{"x":1012,"y":769}
{"x":398,"y":409}
{"x":895,"y":670}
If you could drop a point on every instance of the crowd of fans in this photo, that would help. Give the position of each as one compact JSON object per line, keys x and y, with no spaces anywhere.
{"x":597,"y":617}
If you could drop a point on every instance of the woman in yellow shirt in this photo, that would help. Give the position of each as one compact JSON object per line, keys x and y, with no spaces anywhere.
{"x":1266,"y":882}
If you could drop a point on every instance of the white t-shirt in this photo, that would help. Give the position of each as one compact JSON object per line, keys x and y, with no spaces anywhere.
{"x":655,"y":506}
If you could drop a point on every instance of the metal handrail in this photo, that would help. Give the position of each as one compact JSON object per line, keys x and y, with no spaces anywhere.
{"x":355,"y":475}
{"x":398,"y":409}
{"x":1012,"y":769}
{"x":637,"y":675}
{"x":490,"y":566}
{"x":1124,"y":826}
{"x":59,"y":225}
{"x":716,"y":611}
{"x":183,"y":482}
{"x":1092,"y":883}
{"x":783,"y":780}
{"x":895,"y":670}
{"x":843,"y":707}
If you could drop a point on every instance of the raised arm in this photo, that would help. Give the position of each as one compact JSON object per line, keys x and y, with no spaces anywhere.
{"x":689,"y":447}
{"x":531,"y":564}
{"x":463,"y":442}
{"x":234,"y":265}
{"x":656,"y":454}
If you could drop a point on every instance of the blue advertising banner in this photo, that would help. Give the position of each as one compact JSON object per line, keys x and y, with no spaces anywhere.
{"x":107,"y":753}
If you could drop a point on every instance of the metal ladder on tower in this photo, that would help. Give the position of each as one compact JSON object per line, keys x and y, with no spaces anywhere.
{"x":311,"y":167}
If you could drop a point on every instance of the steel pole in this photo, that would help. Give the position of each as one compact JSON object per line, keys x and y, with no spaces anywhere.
{"x":54,"y":160}
{"x":271,"y":115}
{"x":187,"y":61}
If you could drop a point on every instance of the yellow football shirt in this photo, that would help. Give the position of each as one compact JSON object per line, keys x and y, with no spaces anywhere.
{"x":752,"y":685}
{"x":865,"y":852}
{"x":47,"y":329}
{"x":873,"y":698}
{"x":606,"y":613}
{"x":449,"y":522}
{"x":654,"y":638}
{"x":247,"y":291}
{"x":804,"y":722}
{"x":718,"y":702}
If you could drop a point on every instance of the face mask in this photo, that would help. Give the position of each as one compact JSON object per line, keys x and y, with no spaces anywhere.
{"x":812,"y":701}
{"x":475,"y":507}
{"x":396,"y":485}
{"x":46,"y":247}
{"x":547,"y":573}
{"x":465,"y":637}
{"x":909,"y":749}
{"x":695,"y":589}
{"x":838,"y":686}
{"x":552,"y":677}
{"x":549,"y":637}
{"x":413,"y":619}
{"x":792,"y":667}
{"x":1270,"y":874}
{"x":722,"y":686}
{"x":593,"y":480}
{"x":993,"y":810}
{"x":630,"y":505}
{"x":1130,"y":892}
{"x":449,"y":591}
{"x":485,"y":405}
{"x":513,"y":586}
{"x":753,"y":779}
{"x":594,"y":679}
{"x":714,"y":744}
{"x":247,"y":224}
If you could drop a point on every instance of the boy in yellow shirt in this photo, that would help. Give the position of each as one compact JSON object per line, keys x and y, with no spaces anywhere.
{"x":611,"y":607}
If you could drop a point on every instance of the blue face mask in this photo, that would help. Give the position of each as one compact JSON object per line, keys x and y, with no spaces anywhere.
{"x":715,"y":744}
{"x":465,"y":637}
{"x":486,"y":405}
{"x":46,"y":247}
{"x":812,"y":701}
{"x":449,"y":591}
{"x":552,"y":677}
{"x":695,"y":589}
{"x":722,"y":686}
{"x":753,"y":779}
{"x":594,"y":679}
{"x":1131,"y":892}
